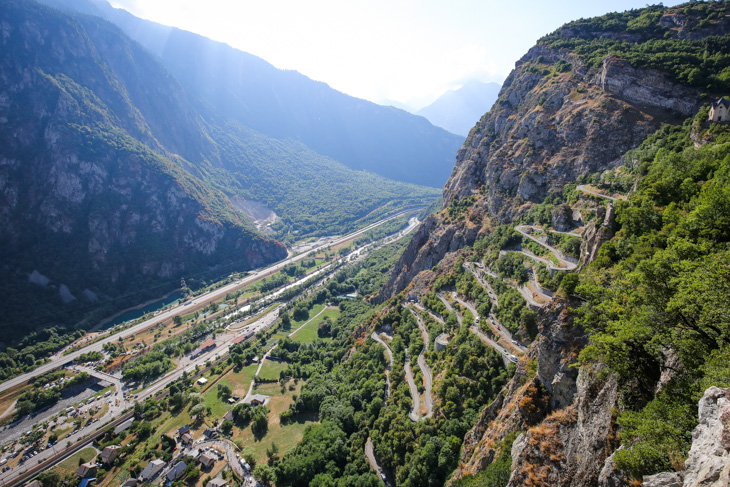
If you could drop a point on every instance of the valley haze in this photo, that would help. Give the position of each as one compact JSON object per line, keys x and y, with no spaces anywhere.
{"x":523,"y":284}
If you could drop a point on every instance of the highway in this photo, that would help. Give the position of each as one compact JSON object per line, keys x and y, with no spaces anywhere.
{"x":182,"y":309}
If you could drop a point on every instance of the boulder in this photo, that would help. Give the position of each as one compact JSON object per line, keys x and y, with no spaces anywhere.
{"x":562,"y":218}
{"x":708,"y":463}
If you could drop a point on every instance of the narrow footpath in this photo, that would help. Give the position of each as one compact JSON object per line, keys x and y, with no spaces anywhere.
{"x":307,"y":322}
{"x":261,"y":364}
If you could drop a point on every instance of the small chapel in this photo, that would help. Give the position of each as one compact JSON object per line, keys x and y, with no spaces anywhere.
{"x":720,"y":110}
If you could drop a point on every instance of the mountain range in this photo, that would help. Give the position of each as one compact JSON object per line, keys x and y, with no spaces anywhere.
{"x":120,"y":174}
{"x":288,"y":105}
{"x":587,"y":214}
{"x":459,"y":110}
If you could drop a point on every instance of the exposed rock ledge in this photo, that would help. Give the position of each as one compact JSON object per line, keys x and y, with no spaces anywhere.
{"x":708,"y":464}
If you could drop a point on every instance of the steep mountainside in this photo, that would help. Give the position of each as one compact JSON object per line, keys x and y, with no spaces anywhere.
{"x":285,"y":104}
{"x":459,"y":110}
{"x":93,"y":206}
{"x":623,"y":347}
{"x":114,"y":186}
{"x":557,"y":118}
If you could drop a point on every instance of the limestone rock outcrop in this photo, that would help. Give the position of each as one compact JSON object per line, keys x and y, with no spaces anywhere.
{"x":708,"y":464}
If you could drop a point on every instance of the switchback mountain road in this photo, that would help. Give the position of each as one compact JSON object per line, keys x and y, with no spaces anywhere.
{"x":414,"y":414}
{"x":427,"y":376}
{"x":459,"y":318}
{"x":496,"y":326}
{"x":568,"y":262}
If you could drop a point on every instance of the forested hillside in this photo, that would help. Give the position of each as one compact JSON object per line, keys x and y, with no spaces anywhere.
{"x":662,"y":327}
{"x":562,"y":321}
{"x":287,"y":105}
{"x":600,"y":137}
{"x":115,"y":186}
{"x":576,"y":278}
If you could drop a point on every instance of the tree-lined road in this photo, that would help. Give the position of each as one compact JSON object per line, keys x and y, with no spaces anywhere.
{"x":388,"y":367}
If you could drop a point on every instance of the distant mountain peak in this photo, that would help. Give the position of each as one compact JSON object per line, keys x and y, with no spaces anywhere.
{"x":459,"y":110}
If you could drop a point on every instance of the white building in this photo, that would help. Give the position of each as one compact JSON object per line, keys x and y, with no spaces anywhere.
{"x":720,"y":110}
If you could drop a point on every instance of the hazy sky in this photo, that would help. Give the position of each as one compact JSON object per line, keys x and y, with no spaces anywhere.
{"x":408,"y":51}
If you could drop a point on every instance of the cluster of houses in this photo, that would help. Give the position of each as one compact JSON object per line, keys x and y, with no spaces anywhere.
{"x":87,"y":471}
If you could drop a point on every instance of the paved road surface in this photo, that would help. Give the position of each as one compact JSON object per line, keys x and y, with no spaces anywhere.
{"x":388,"y":367}
{"x":496,"y":326}
{"x":568,"y":262}
{"x":370,"y":455}
{"x":586,"y":189}
{"x":483,"y":337}
{"x":529,"y":296}
{"x":414,"y":415}
{"x":231,"y":453}
{"x":504,"y":352}
{"x":480,"y":279}
{"x":459,"y":318}
{"x":431,"y":313}
{"x":537,"y":288}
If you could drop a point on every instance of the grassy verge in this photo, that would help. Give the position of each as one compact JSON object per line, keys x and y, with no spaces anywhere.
{"x":71,"y":464}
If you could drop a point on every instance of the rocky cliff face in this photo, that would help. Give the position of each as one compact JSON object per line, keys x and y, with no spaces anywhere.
{"x":565,"y":415}
{"x":555,"y":120}
{"x":708,"y":464}
{"x":92,"y":198}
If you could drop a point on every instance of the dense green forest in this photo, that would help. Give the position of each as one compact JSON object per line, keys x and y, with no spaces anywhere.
{"x":669,"y":274}
{"x":637,"y":36}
